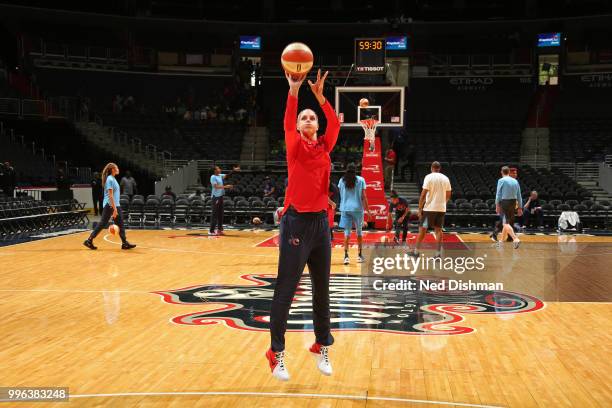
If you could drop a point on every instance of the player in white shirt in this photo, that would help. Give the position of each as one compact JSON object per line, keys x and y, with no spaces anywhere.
{"x":432,"y":206}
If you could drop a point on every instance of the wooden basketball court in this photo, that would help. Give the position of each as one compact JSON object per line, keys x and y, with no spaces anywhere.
{"x":122,"y":328}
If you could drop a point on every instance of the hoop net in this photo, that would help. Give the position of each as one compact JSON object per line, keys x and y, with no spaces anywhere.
{"x":369,"y":127}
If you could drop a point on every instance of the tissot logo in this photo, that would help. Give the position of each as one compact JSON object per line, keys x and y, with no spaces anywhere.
{"x":471,"y":81}
{"x":354,"y":305}
{"x":370,"y":69}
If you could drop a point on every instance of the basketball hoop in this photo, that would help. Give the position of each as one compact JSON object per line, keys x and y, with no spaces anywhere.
{"x":369,"y":127}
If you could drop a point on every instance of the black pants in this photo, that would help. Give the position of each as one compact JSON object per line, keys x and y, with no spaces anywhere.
{"x":537,"y":214}
{"x":388,"y":174}
{"x":97,"y":204}
{"x":107,"y":213}
{"x":401,"y":227}
{"x":216,"y":219}
{"x":304,"y":239}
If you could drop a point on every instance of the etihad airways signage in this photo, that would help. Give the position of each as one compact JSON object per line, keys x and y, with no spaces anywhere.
{"x":472,"y":83}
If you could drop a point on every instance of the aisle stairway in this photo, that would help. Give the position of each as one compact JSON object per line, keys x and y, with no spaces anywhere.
{"x":255,"y":144}
{"x":129,"y":150}
{"x":407,"y":190}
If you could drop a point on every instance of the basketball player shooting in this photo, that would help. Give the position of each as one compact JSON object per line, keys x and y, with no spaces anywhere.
{"x":304,"y":230}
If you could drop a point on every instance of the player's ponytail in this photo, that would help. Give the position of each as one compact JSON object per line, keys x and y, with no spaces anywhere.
{"x":350,"y":177}
{"x":106,"y":171}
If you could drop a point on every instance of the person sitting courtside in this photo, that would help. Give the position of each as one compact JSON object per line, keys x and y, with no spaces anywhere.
{"x":269,"y":188}
{"x":533,"y":209}
{"x":169,"y":193}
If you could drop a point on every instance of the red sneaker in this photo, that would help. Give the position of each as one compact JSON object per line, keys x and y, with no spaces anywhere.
{"x":277,"y":365}
{"x":321,"y":353}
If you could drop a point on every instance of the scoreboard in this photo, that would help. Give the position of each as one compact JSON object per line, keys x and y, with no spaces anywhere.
{"x":370,"y":55}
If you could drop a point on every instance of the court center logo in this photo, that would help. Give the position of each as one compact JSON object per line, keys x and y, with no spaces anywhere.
{"x":354,"y":306}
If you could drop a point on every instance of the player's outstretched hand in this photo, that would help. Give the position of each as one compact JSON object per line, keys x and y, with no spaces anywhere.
{"x":295,"y":82}
{"x":317,"y":87}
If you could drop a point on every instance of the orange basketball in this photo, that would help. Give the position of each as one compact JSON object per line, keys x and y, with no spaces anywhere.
{"x":113,"y":229}
{"x":364,"y":103}
{"x":297,"y":58}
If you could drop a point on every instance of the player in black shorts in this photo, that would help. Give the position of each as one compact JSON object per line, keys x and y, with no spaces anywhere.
{"x":402,"y":215}
{"x":499,"y":224}
{"x":432,"y":207}
{"x":508,"y":200}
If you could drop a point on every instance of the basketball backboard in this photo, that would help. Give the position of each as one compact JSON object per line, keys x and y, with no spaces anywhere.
{"x":369,"y":112}
{"x":385,"y":102}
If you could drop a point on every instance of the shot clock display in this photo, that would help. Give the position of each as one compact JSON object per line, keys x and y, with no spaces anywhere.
{"x":370,"y":55}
